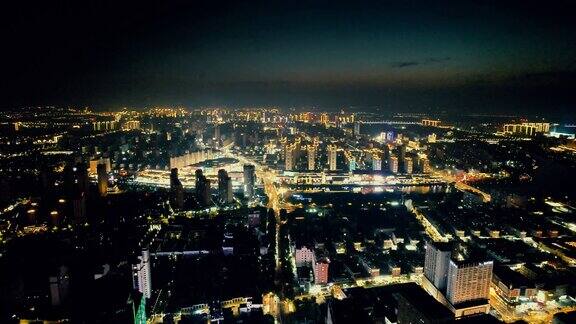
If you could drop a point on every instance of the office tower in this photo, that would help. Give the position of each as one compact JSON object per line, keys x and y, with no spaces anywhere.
{"x":102,"y":180}
{"x":312,"y":148}
{"x":202,"y":188}
{"x":425,"y":165}
{"x":376,"y":163}
{"x":393,"y":164}
{"x":332,"y":157}
{"x":408,"y":165}
{"x":289,"y":157}
{"x":176,"y":190}
{"x":225,"y":194}
{"x":249,"y":180}
{"x":141,"y":274}
{"x":357,"y":128}
{"x":436,"y":263}
{"x":468,"y":281}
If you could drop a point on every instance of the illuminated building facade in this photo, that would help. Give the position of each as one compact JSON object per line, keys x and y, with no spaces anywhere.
{"x":249,"y":180}
{"x":141,"y":274}
{"x":102,"y":180}
{"x":332,"y":157}
{"x":468,"y":281}
{"x":393,"y":164}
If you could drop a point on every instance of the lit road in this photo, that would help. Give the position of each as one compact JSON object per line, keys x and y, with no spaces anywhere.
{"x":430,"y":229}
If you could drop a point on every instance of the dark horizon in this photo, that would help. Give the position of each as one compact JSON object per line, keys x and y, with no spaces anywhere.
{"x":489,"y":57}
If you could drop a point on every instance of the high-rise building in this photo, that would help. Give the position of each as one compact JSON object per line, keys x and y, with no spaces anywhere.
{"x":102,"y":180}
{"x":462,"y":286}
{"x":468,"y":281}
{"x":436,"y":263}
{"x":217,"y":133}
{"x":249,"y":180}
{"x":141,"y":274}
{"x":176,"y":190}
{"x":376,"y":163}
{"x":225,"y":194}
{"x":357,"y":128}
{"x":321,"y":271}
{"x":393,"y":164}
{"x":408,"y":165}
{"x":325,"y":119}
{"x":202,"y":188}
{"x":332,"y":157}
{"x":425,"y":165}
{"x":77,"y":188}
{"x":312,"y":148}
{"x":289,"y":157}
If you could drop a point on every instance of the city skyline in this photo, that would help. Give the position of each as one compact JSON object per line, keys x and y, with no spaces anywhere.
{"x":291,"y":162}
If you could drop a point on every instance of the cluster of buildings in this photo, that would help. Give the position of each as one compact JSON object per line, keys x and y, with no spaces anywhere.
{"x":461,"y":285}
{"x":526,"y":128}
{"x":311,"y":261}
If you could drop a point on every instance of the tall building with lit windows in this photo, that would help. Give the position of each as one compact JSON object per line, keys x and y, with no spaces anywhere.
{"x":468,"y":281}
{"x":436,"y":263}
{"x":393,"y":164}
{"x":408,"y":165}
{"x":425,"y":165}
{"x":102,"y":176}
{"x":376,"y":163}
{"x":332,"y":157}
{"x":141,"y":274}
{"x":249,"y":180}
{"x":289,"y":157}
{"x":462,"y":286}
{"x":325,"y":119}
{"x":312,"y":148}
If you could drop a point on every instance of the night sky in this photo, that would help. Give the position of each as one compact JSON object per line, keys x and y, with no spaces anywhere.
{"x":483,"y":56}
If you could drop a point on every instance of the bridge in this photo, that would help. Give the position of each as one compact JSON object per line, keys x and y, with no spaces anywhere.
{"x":465,"y":187}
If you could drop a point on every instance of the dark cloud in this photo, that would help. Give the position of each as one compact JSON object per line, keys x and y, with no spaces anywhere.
{"x":405,"y":64}
{"x":427,"y":61}
{"x":438,"y":59}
